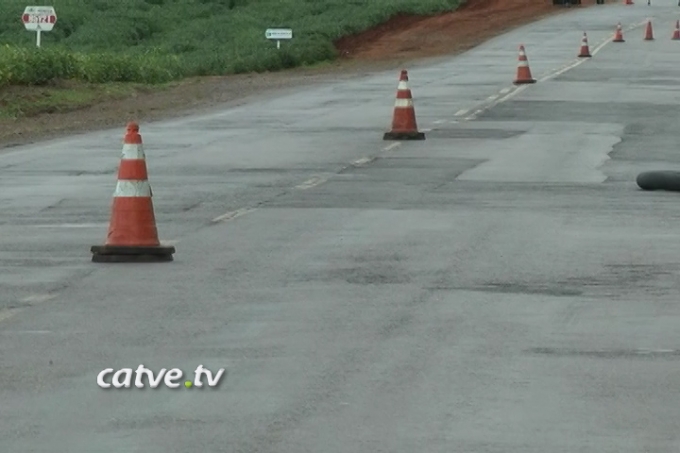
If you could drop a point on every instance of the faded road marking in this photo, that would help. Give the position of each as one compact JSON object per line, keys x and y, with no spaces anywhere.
{"x":310,"y":183}
{"x":563,"y":70}
{"x":392,"y":146}
{"x":475,"y":113}
{"x":6,"y":314}
{"x":37,"y":298}
{"x":511,"y":94}
{"x":231,"y":215}
{"x":363,"y":161}
{"x":461,"y":112}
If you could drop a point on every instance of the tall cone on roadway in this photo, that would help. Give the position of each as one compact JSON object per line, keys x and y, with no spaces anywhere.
{"x":523,"y":71}
{"x":585,"y":50}
{"x":676,"y":33}
{"x":404,"y":126}
{"x":132,"y":235}
{"x":649,"y":34}
{"x":618,"y":37}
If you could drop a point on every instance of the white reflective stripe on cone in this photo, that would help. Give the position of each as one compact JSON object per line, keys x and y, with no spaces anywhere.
{"x":132,"y":189}
{"x":404,"y":103}
{"x":402,"y":85}
{"x":133,"y":152}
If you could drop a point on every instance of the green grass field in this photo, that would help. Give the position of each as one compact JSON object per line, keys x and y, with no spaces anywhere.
{"x":156,"y":41}
{"x":110,"y":49}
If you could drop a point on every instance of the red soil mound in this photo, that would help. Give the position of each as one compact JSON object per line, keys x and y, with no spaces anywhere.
{"x":406,"y":37}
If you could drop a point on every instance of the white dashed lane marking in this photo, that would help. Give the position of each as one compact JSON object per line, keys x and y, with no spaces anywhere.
{"x":231,"y":215}
{"x":363,"y":161}
{"x":310,"y":183}
{"x":37,"y":298}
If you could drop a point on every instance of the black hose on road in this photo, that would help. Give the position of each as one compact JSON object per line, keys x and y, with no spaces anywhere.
{"x":659,"y":180}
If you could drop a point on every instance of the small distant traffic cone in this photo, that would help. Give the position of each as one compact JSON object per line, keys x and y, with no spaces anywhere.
{"x":523,"y":71}
{"x":629,"y":2}
{"x":585,"y":50}
{"x":132,"y":235}
{"x":404,"y":126}
{"x":676,"y":33}
{"x":618,"y":37}
{"x":649,"y":34}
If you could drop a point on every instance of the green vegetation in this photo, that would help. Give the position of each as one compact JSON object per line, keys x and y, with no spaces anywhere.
{"x":156,"y":41}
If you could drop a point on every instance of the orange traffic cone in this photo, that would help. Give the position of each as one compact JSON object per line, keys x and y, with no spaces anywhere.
{"x":132,"y":236}
{"x":585,"y":50}
{"x":404,"y":126}
{"x":676,"y":33}
{"x":523,"y":71}
{"x":629,"y":2}
{"x":649,"y":34}
{"x":618,"y":37}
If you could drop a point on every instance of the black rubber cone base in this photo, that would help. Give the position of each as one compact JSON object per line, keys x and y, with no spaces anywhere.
{"x":585,"y":56}
{"x":404,"y":136}
{"x":128,"y":254}
{"x":524,"y":82}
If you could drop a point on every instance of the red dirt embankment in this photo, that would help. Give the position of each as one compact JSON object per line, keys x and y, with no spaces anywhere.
{"x":474,"y":22}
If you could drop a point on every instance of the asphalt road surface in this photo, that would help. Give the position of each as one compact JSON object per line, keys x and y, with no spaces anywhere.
{"x":502,"y":286}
